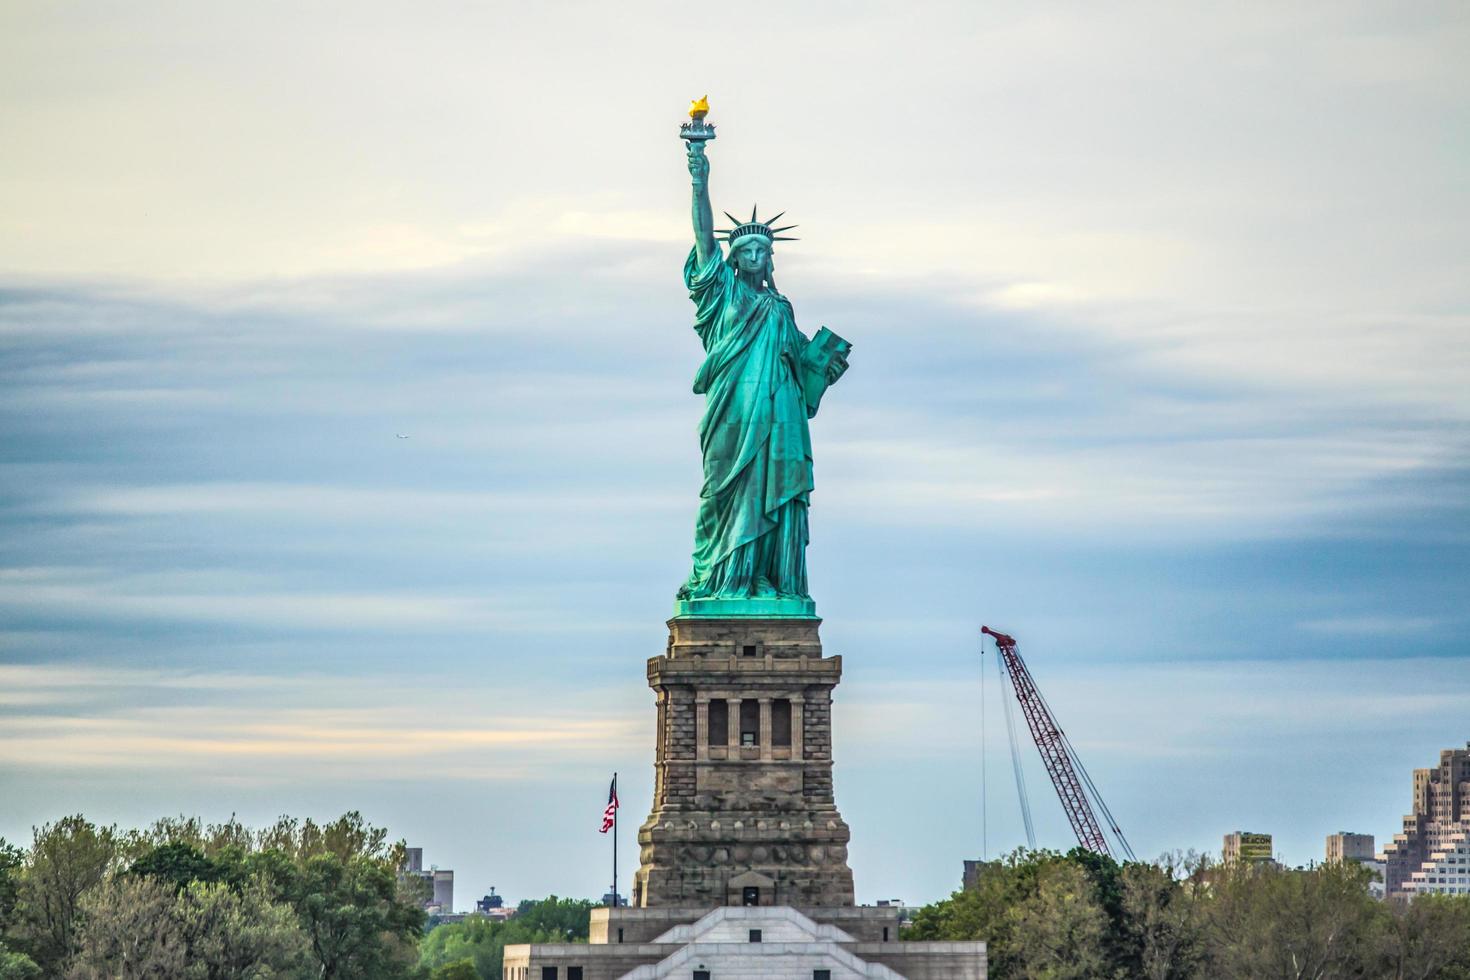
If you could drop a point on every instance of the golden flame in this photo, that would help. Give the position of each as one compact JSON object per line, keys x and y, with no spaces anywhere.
{"x":699,"y":108}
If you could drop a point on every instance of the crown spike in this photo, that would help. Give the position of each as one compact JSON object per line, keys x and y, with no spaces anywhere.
{"x":783,"y":238}
{"x":784,"y":228}
{"x":733,"y":220}
{"x":775,"y":217}
{"x":752,"y":213}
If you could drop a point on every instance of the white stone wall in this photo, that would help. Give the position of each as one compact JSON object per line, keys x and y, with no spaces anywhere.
{"x":732,"y":924}
{"x":763,"y":961}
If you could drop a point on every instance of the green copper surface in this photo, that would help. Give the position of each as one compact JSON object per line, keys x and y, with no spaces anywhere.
{"x":781,"y":608}
{"x":761,"y":379}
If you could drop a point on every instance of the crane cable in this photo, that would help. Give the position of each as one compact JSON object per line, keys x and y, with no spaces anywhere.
{"x":1000,"y":667}
{"x":984,"y":782}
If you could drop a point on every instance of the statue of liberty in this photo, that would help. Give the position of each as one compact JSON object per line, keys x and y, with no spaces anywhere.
{"x":762,"y":379}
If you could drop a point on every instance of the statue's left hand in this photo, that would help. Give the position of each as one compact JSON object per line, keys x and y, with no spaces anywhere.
{"x":836,"y":369}
{"x":698,"y":164}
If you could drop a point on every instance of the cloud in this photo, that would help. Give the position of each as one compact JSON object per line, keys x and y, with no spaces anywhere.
{"x":278,"y":727}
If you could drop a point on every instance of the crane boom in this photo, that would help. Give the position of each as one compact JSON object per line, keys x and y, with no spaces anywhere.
{"x":1055,"y":751}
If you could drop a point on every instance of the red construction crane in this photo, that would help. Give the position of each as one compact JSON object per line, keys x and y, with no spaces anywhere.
{"x":1057,"y":754}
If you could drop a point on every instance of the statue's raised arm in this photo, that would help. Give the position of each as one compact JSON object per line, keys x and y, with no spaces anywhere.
{"x":695,"y":133}
{"x":703,"y":214}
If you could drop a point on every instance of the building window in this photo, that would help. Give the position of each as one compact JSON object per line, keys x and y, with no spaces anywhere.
{"x":574,"y":973}
{"x":719,"y":722}
{"x":750,"y":895}
{"x":781,"y":723}
{"x":750,"y":722}
{"x":548,"y":973}
{"x":821,"y":975}
{"x":620,"y":935}
{"x":701,"y":975}
{"x":748,"y":650}
{"x":885,"y":934}
{"x":755,"y":935}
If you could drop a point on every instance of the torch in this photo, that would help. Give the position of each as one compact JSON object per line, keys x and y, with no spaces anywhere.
{"x":696,"y":131}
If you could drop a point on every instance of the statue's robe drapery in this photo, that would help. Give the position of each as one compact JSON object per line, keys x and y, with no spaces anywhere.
{"x":751,"y":534}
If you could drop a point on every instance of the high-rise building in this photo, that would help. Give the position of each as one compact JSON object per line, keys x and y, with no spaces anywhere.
{"x":1447,"y":871}
{"x":1244,"y":845}
{"x":1432,"y":854}
{"x":1343,"y":846}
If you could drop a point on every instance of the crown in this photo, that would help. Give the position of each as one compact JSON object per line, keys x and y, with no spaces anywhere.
{"x":755,"y":227}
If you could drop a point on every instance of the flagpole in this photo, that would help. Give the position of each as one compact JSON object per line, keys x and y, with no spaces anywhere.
{"x":615,"y":843}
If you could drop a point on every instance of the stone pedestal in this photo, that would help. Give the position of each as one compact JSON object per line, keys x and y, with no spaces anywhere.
{"x":742,"y":810}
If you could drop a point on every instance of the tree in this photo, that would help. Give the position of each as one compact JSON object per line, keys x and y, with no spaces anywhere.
{"x":1426,"y":939}
{"x":1268,"y":921}
{"x":1164,"y":917}
{"x":355,"y":924}
{"x":17,"y":966}
{"x":238,"y":935}
{"x":13,"y":965}
{"x":129,"y":932}
{"x":567,"y":918}
{"x":347,"y":837}
{"x":1058,"y":933}
{"x":458,"y":970}
{"x":177,"y":864}
{"x":12,"y":864}
{"x":1024,"y":891}
{"x":67,"y":859}
{"x":482,"y":941}
{"x":982,"y":912}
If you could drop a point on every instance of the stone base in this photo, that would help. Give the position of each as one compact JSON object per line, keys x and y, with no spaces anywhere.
{"x":743,"y":811}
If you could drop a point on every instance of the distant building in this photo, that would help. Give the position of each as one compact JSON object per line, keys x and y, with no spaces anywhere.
{"x":1343,"y":846}
{"x":1447,"y":872}
{"x":441,"y":882}
{"x":1245,"y":845}
{"x":492,"y":906}
{"x":443,"y":899}
{"x":1432,"y":854}
{"x":905,"y":912}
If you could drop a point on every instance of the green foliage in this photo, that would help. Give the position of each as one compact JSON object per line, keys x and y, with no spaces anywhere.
{"x":1058,"y":932}
{"x":66,"y":859}
{"x":1268,"y":921}
{"x":17,"y":966}
{"x":483,"y":941}
{"x":232,"y":934}
{"x":458,"y":970}
{"x":178,"y":864}
{"x":12,"y":862}
{"x":350,"y":911}
{"x":567,"y":918}
{"x":209,"y":902}
{"x":1163,"y":917}
{"x":129,"y":932}
{"x":1428,"y":939}
{"x":141,"y":926}
{"x":1077,"y":915}
{"x":985,"y":912}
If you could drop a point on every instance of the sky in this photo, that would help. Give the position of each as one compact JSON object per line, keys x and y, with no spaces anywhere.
{"x":1161,"y":331}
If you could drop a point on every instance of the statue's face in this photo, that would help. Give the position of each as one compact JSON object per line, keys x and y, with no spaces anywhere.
{"x":753,"y":256}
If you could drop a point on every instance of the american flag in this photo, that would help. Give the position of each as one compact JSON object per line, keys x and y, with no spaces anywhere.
{"x":610,"y":812}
